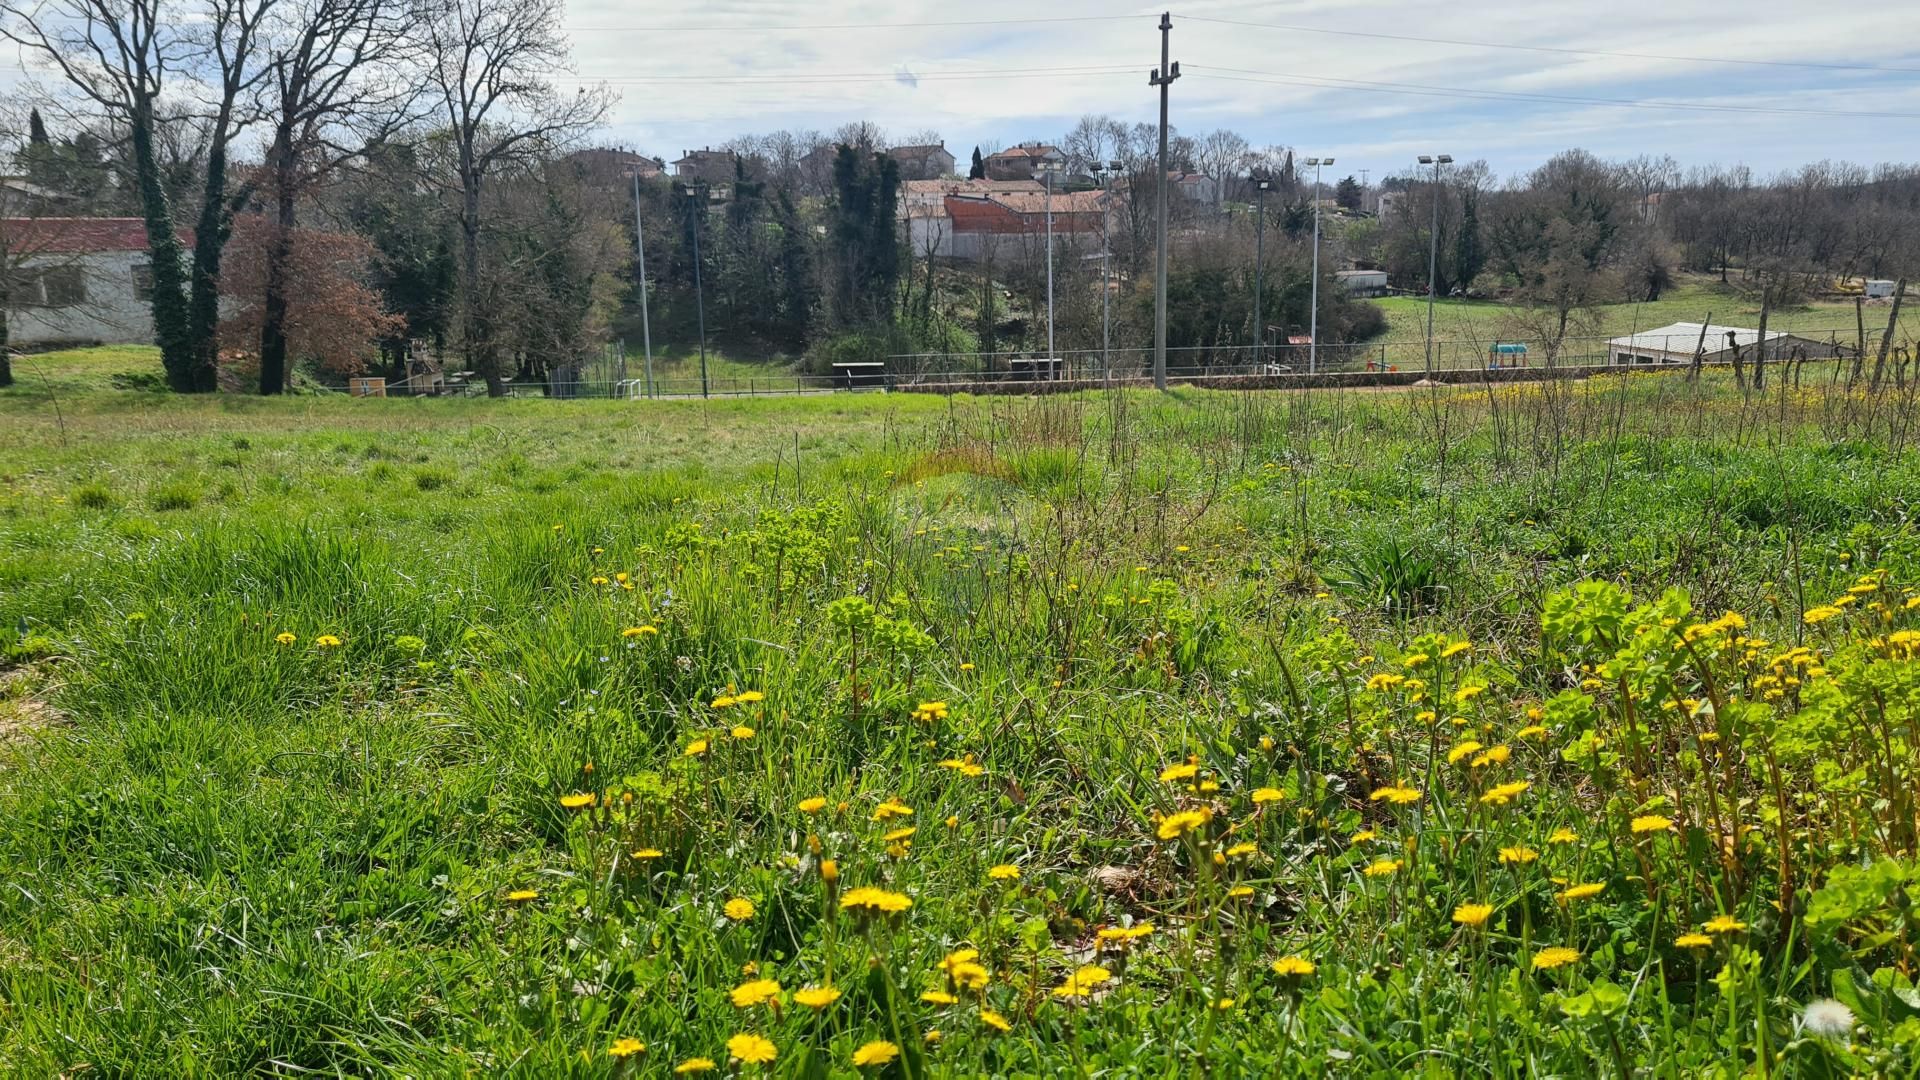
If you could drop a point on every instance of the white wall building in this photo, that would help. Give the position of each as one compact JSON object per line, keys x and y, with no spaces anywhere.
{"x":77,"y":281}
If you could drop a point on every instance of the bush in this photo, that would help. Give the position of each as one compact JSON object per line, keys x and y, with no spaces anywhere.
{"x":94,"y":496}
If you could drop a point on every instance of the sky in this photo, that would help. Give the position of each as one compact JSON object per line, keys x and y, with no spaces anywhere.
{"x":699,"y":74}
{"x":695,"y":75}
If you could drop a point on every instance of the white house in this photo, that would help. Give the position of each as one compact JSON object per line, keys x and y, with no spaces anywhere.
{"x":77,"y":281}
{"x":923,"y":206}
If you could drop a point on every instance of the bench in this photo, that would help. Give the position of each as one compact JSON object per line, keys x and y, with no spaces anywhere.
{"x":861,"y":375}
{"x":1035,"y":367}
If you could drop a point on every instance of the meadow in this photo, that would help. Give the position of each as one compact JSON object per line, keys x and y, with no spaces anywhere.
{"x":1549,"y":729}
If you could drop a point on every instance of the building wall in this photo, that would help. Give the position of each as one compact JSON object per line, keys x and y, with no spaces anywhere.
{"x":113,"y":313}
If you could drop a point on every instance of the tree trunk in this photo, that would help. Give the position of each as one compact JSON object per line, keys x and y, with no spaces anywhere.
{"x":1886,"y":339}
{"x":273,"y":321}
{"x":1760,"y":345}
{"x":6,"y":354}
{"x":203,"y":297}
{"x":477,"y":329}
{"x":171,"y":329}
{"x":1860,"y":329}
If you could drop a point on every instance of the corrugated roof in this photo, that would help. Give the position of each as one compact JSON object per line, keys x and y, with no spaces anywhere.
{"x":1023,"y":152}
{"x":967,"y":187}
{"x":1064,"y":202}
{"x":79,"y":236}
{"x":1683,"y":336}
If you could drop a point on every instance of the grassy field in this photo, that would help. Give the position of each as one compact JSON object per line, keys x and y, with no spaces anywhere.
{"x":1543,"y":730}
{"x":1473,"y":324}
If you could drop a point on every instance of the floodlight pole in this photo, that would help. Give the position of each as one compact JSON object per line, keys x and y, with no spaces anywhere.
{"x":640,"y":249}
{"x":1313,"y":317}
{"x":1162,"y":78}
{"x":1433,"y":248}
{"x":1260,"y":184}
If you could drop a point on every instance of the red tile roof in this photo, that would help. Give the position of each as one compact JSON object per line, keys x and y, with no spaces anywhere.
{"x":79,"y":236}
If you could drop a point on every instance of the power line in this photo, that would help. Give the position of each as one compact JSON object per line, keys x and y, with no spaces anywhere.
{"x":872,"y":76}
{"x":1425,"y":90}
{"x":1552,"y":49}
{"x":802,"y":27}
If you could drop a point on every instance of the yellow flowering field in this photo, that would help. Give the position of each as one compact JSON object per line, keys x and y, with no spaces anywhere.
{"x":1560,"y":731}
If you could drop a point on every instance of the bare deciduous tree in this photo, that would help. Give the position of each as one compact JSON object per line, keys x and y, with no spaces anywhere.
{"x":488,"y":66}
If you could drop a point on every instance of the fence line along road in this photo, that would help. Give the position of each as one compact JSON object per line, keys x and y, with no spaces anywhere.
{"x":1341,"y":366}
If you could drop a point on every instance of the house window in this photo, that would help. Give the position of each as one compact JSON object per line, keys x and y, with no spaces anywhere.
{"x":143,"y":282}
{"x":63,"y":286}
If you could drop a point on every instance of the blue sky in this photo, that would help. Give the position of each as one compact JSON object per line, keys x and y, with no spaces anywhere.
{"x":1378,"y":131}
{"x":684,"y":88}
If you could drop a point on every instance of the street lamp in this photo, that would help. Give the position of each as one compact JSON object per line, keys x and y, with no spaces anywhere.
{"x":1107,"y":171}
{"x":1313,"y":317}
{"x":1047,"y":170}
{"x":1433,"y":249}
{"x":695,"y":194}
{"x":1262,"y":181}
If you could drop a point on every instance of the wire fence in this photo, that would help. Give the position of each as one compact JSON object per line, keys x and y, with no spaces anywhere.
{"x":1390,"y":362}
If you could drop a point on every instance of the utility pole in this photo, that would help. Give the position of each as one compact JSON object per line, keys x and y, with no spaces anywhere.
{"x":1313,"y":316}
{"x":1106,"y":269}
{"x":1261,"y":182}
{"x":1047,"y":169}
{"x":640,"y":249}
{"x":1433,"y":250}
{"x":1162,"y":77}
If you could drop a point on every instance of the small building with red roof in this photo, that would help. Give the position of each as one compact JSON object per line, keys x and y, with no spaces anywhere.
{"x":77,"y":280}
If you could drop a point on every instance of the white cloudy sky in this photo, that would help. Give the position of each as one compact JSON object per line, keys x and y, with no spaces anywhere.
{"x":696,"y":74}
{"x":665,"y":61}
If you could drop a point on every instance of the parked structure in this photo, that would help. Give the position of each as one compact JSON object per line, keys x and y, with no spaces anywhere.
{"x":1675,"y":344}
{"x":1879,"y":288}
{"x":923,"y":207}
{"x":1362,"y":282}
{"x":1194,"y":187}
{"x":78,"y":281}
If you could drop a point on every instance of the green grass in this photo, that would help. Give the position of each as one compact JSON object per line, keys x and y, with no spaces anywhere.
{"x":226,"y":855}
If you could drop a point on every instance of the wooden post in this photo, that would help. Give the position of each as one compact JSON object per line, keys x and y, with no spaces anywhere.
{"x":1760,"y":345}
{"x":1860,"y":329}
{"x":1886,"y":339}
{"x":1700,"y":350}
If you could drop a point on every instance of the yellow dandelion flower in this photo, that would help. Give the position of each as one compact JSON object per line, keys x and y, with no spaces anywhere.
{"x":739,"y":909}
{"x":648,"y":853}
{"x":1563,"y":835}
{"x":1554,"y":957}
{"x":995,"y":1021}
{"x":877,"y":1052}
{"x":1724,"y":924}
{"x":285,"y":638}
{"x":1531,"y":731}
{"x":1414,"y":660}
{"x":742,"y":732}
{"x":694,"y":1065}
{"x":326,"y":641}
{"x":1240,"y":892}
{"x":1502,"y":794}
{"x":1262,"y":796}
{"x":756,"y":992}
{"x":1455,"y":649}
{"x":752,"y":1049}
{"x":938,"y":997}
{"x":1468,"y":693}
{"x":748,"y":697}
{"x":813,"y":805}
{"x":696,"y":748}
{"x":1518,"y":855}
{"x":880,"y":901}
{"x":1176,"y":825}
{"x":898,"y":835}
{"x":964,"y":766}
{"x":816,"y":997}
{"x":1082,"y":982}
{"x":623,"y":1048}
{"x":1241,"y":849}
{"x":1650,"y":823}
{"x":1461,"y":751}
{"x":1495,"y":755}
{"x":521,"y":896}
{"x":1693,"y":941}
{"x":1383,"y":867}
{"x":576,"y":800}
{"x":1293,"y":967}
{"x":1398,"y":794}
{"x":1474,"y":915}
{"x":1817,"y":615}
{"x":1183,"y":771}
{"x":1363,"y":836}
{"x":1583,"y":891}
{"x":1004,"y":872}
{"x":892,"y":808}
